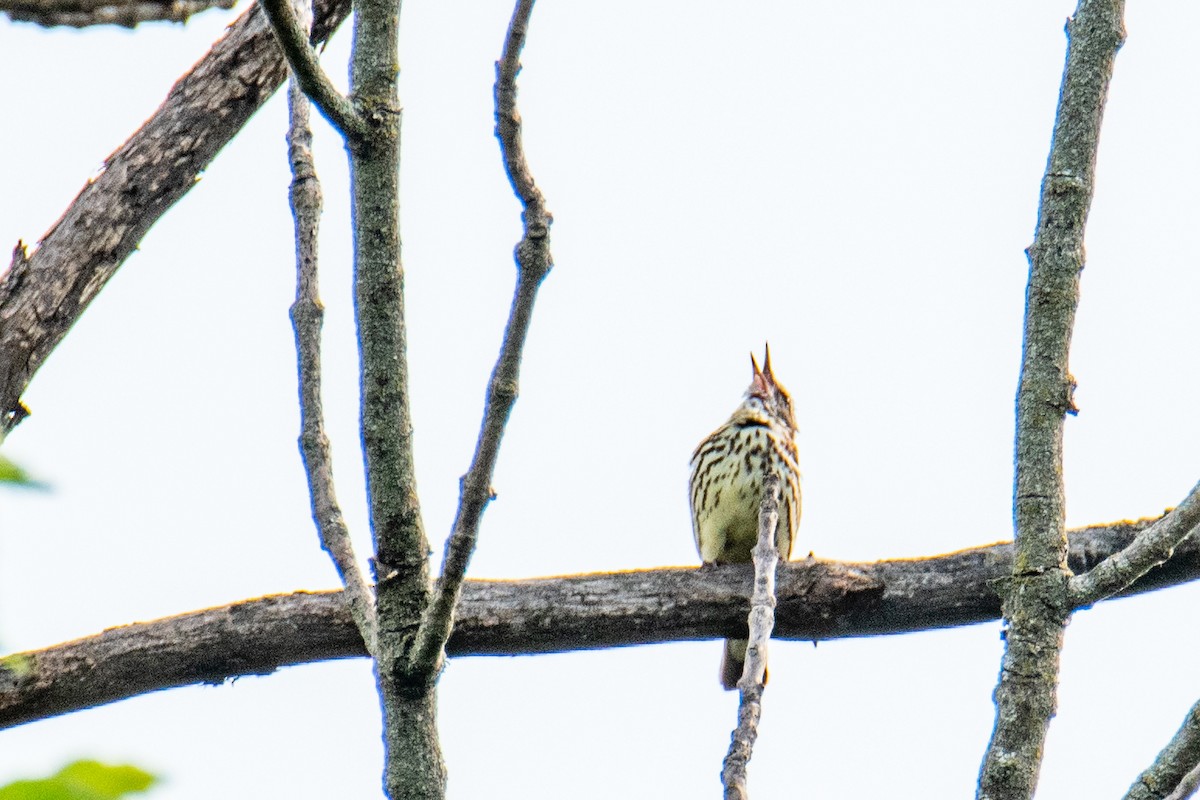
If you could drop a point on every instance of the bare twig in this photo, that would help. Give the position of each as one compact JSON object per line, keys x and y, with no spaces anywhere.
{"x":306,"y":68}
{"x":1173,"y":765}
{"x":46,"y":290}
{"x":816,"y":600}
{"x":762,"y":602}
{"x":508,"y":131}
{"x":761,"y":623}
{"x":533,"y":264}
{"x":86,"y":13}
{"x":1151,"y":548}
{"x":1036,"y":607}
{"x":308,"y":314}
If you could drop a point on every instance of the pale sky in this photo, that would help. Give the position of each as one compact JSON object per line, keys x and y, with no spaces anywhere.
{"x":854,"y":182}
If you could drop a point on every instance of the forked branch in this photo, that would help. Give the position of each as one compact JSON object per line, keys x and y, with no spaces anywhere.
{"x":533,"y":264}
{"x":293,"y":39}
{"x":1152,"y":547}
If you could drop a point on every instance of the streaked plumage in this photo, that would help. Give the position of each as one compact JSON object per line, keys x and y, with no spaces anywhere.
{"x":727,"y":484}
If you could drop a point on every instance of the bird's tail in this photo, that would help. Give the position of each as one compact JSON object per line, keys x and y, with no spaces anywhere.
{"x":733,"y":662}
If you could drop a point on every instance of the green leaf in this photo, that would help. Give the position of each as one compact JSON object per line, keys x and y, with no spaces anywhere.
{"x":19,"y":665}
{"x":82,"y":780}
{"x":10,"y":473}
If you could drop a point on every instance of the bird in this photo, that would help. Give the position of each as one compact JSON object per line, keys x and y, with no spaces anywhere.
{"x":728,"y":470}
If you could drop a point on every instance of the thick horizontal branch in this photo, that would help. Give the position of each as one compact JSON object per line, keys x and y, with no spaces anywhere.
{"x":254,"y":637}
{"x":86,"y":13}
{"x":817,"y":600}
{"x":46,"y":289}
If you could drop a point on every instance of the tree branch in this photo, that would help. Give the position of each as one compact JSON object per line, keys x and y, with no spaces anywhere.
{"x":44,"y":292}
{"x":308,"y":315}
{"x":1175,"y":763}
{"x":1188,"y":786}
{"x":1036,"y":606}
{"x":254,"y":637}
{"x":760,"y":624}
{"x":816,"y":600}
{"x":413,"y":765}
{"x":533,"y":264}
{"x":305,"y":66}
{"x":1151,"y":548}
{"x":86,"y":13}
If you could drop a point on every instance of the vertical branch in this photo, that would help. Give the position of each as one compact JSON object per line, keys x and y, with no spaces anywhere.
{"x":761,"y":623}
{"x":533,"y":264}
{"x":308,"y":315}
{"x":401,"y":549}
{"x":1036,"y":606}
{"x":414,"y":768}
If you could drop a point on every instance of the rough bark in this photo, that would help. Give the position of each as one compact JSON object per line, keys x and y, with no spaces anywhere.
{"x":1037,"y":604}
{"x":46,"y":289}
{"x":816,"y":600}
